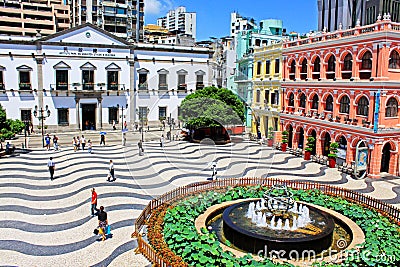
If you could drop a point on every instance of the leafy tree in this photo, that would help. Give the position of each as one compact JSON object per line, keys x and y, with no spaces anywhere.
{"x":9,"y":127}
{"x":212,"y":106}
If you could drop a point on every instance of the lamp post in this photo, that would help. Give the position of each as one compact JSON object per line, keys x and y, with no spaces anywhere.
{"x":142,"y":118}
{"x":41,"y":115}
{"x":122,"y":116}
{"x":26,"y":123}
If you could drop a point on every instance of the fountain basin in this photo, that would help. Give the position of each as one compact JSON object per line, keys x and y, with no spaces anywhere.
{"x":316,"y":237}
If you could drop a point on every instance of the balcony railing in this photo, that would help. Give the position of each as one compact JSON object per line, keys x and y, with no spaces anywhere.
{"x":62,"y":86}
{"x":199,"y":86}
{"x":143,"y":87}
{"x":182,"y":88}
{"x":163,"y":87}
{"x":25,"y":86}
{"x":381,"y":25}
{"x":88,"y":86}
{"x":115,"y":86}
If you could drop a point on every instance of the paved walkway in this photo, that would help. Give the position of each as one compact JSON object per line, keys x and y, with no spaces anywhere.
{"x":48,"y":223}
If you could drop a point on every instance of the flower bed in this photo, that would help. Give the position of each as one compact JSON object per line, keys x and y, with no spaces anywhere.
{"x":172,"y":232}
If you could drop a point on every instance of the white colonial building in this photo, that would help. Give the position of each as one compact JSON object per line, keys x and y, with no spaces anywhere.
{"x":87,"y":78}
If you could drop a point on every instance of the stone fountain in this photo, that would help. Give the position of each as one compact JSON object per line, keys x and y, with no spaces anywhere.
{"x":277,"y":222}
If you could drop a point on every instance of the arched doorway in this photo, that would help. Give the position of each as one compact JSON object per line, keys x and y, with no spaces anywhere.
{"x":301,"y":138}
{"x":314,"y":134}
{"x":290,"y":141}
{"x":385,"y":162}
{"x":326,"y":143}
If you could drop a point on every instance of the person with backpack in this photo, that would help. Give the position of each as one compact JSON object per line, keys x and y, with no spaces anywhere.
{"x":55,"y":142}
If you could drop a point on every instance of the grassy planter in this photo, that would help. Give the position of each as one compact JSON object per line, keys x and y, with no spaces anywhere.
{"x":180,"y":235}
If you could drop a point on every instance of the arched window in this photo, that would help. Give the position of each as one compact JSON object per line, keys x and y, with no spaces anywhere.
{"x":347,"y":67}
{"x":344,"y":104}
{"x":366,"y":61}
{"x":303,"y":72}
{"x":363,"y":106}
{"x":347,"y":62}
{"x":317,"y":68}
{"x":315,"y":101}
{"x":302,"y":101}
{"x":291,"y":100}
{"x":394,"y":60}
{"x":329,"y":103}
{"x":330,"y":73}
{"x":392,"y":107}
{"x":292,"y":72}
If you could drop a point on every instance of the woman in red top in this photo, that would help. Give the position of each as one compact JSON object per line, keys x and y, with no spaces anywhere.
{"x":94,"y":202}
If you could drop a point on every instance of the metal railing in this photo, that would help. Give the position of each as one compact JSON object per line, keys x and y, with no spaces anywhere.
{"x":184,"y":191}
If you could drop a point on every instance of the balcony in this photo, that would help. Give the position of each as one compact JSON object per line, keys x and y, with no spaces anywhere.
{"x":241,"y":77}
{"x":115,"y":86}
{"x":199,"y":85}
{"x":88,"y":86}
{"x":25,"y":86}
{"x":182,"y":88}
{"x":62,"y":86}
{"x":163,"y":87}
{"x":143,"y":86}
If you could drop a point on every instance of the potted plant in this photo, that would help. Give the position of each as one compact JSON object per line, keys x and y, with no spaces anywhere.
{"x":270,"y":136}
{"x":310,"y":146}
{"x":333,"y":149}
{"x":285,"y":135}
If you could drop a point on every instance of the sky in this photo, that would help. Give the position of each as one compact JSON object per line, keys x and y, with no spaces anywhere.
{"x":213,"y":16}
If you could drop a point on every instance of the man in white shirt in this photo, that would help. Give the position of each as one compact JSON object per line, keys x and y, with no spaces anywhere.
{"x":52,"y":167}
{"x":111,"y":174}
{"x":83,"y":142}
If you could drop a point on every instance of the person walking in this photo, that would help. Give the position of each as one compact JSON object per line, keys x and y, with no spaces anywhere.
{"x":47,"y":140}
{"x":52,"y":167}
{"x":78,"y":143}
{"x":111,"y":172}
{"x":140,"y":146}
{"x":90,"y":146}
{"x":102,"y":139}
{"x":214,"y":170}
{"x":83,"y":142}
{"x":94,"y":202}
{"x":103,"y":222}
{"x":55,"y":142}
{"x":74,"y":143}
{"x":162,"y":141}
{"x":114,"y":127}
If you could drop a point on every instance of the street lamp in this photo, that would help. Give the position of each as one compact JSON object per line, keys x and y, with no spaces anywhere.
{"x":26,"y":123}
{"x":41,"y":115}
{"x":142,"y":118}
{"x":122,"y":116}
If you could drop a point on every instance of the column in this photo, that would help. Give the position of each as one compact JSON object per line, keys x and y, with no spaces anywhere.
{"x":350,"y":152}
{"x":295,"y":141}
{"x":318,"y":145}
{"x":352,"y":111}
{"x":78,"y":120}
{"x":355,"y":67}
{"x":393,"y":162}
{"x":132,"y":95}
{"x":39,"y":63}
{"x":99,"y":124}
{"x":375,"y":161}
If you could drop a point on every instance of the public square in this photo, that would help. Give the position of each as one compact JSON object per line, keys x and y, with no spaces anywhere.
{"x":48,"y":223}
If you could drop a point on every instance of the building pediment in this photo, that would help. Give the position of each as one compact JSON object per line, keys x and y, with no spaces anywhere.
{"x":88,"y":66}
{"x":24,"y":68}
{"x":61,"y":66}
{"x":182,"y":72}
{"x":200,"y":72}
{"x":162,"y":71}
{"x":143,"y":71}
{"x":85,"y":34}
{"x":113,"y":67}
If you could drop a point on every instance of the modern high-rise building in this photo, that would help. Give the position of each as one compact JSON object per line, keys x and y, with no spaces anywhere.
{"x":28,"y":17}
{"x":332,"y":13}
{"x":179,"y":21}
{"x":123,"y":18}
{"x":239,"y":24}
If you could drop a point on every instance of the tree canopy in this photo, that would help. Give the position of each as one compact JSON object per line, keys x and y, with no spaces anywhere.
{"x":9,"y":127}
{"x":212,"y":106}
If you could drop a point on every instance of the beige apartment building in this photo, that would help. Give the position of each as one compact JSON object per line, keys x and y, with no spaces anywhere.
{"x":27,"y":17}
